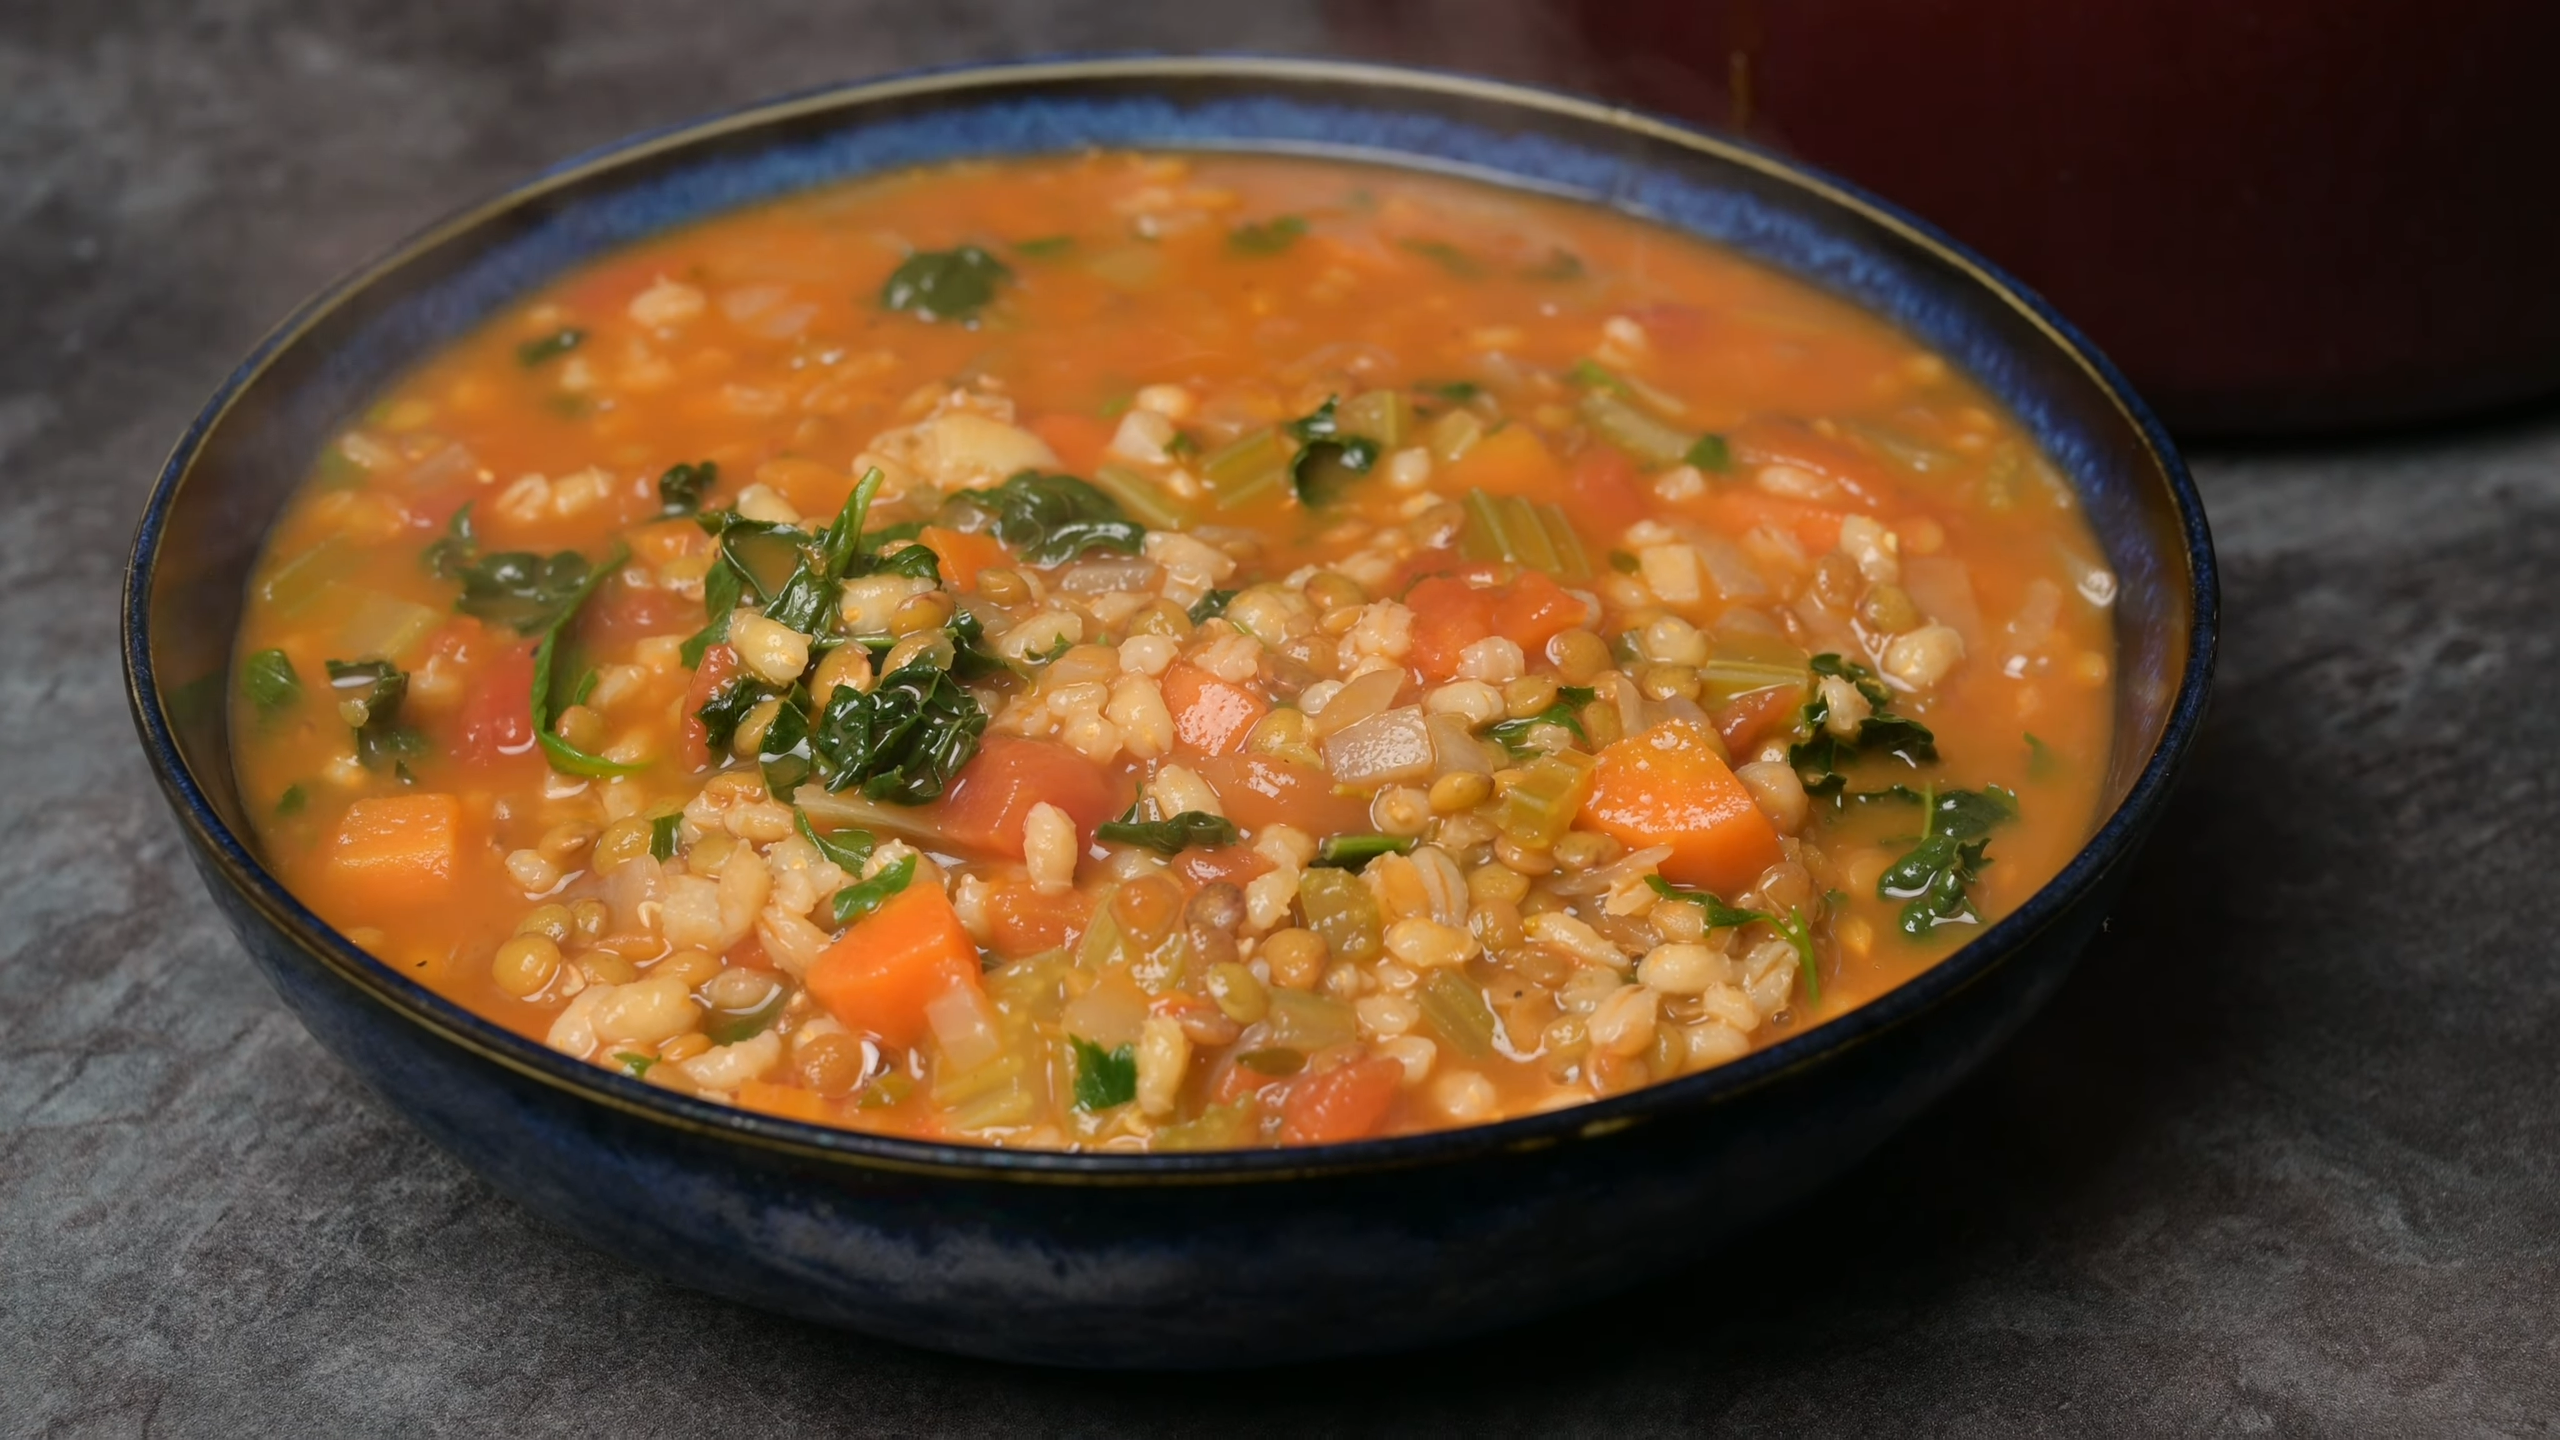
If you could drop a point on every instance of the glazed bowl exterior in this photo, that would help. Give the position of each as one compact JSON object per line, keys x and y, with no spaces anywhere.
{"x":1156,"y":1260}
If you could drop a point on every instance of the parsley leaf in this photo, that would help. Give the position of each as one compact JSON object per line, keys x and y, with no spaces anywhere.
{"x":1328,"y":457}
{"x":1267,"y":238}
{"x":952,"y":284}
{"x":1566,"y":711}
{"x":369,"y":694}
{"x":681,"y":488}
{"x":634,"y":1065}
{"x":1210,"y":606}
{"x":550,"y":347}
{"x":1104,"y":1078}
{"x":1173,"y":835}
{"x":269,"y":681}
{"x":860,"y":898}
{"x":523,"y":591}
{"x":1052,"y":519}
{"x":903,"y":740}
{"x":1934,"y":878}
{"x":1719,"y":914}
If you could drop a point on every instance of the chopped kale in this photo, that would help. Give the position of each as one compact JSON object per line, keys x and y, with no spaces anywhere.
{"x":662,"y":836}
{"x":451,"y":553}
{"x":1044,"y":247}
{"x":1445,"y":255}
{"x":682,"y":486}
{"x":1052,"y":519}
{"x":2042,"y":762}
{"x":848,"y":849}
{"x":550,"y":347}
{"x":268,"y":679}
{"x":1719,"y":914}
{"x":903,"y":740}
{"x":1710,"y":452}
{"x":722,"y":589}
{"x":1624,"y":563}
{"x":1269,"y":237}
{"x":1821,"y":756}
{"x":728,"y":708}
{"x":369,"y":693}
{"x":1934,"y":878}
{"x":1558,"y":267}
{"x":292,"y":801}
{"x":1808,"y":965}
{"x":1171,"y":836}
{"x":860,"y":898}
{"x":525,"y":592}
{"x":952,"y":284}
{"x":1566,"y":711}
{"x":1456,"y":392}
{"x":1210,"y":606}
{"x":1104,"y":1078}
{"x":1328,"y":457}
{"x":633,"y":1064}
{"x":565,"y":757}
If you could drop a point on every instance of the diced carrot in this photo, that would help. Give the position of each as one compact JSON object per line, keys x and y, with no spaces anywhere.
{"x":963,"y":554}
{"x":992,"y":795}
{"x":1210,"y":715}
{"x":1078,"y":439}
{"x":1345,"y":1103}
{"x":882,"y":974}
{"x":718,"y":664}
{"x":812,"y":488}
{"x":398,"y":849}
{"x":1454,"y":611}
{"x":1510,"y":461}
{"x":1025,"y":922}
{"x":1258,"y":790}
{"x":1816,"y":527}
{"x":1670,"y":786}
{"x":788,"y":1102}
{"x":497,"y":709}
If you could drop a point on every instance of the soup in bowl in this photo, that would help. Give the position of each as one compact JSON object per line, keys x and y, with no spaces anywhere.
{"x":1096,"y":712}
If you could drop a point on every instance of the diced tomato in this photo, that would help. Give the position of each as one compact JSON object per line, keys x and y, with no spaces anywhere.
{"x":993,"y":794}
{"x":718,"y":664}
{"x":1234,"y":865}
{"x":1348,"y":1102}
{"x":1751,"y":716}
{"x":620,"y":614}
{"x":497,"y":706}
{"x":1605,"y":498}
{"x":1210,"y":716}
{"x":1816,"y":527}
{"x":1078,"y":439}
{"x":1454,"y":611}
{"x":1257,"y":790}
{"x":1025,"y":922}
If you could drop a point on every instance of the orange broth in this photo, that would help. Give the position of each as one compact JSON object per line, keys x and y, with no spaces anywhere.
{"x":1513,"y":618}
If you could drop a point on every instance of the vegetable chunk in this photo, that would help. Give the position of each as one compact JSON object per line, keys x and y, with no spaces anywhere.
{"x":1667,"y":787}
{"x":886,"y":970}
{"x":399,"y":849}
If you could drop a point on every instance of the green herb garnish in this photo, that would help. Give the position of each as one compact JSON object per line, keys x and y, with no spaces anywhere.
{"x":369,"y":693}
{"x":1821,"y":756}
{"x":662,"y":836}
{"x":1808,"y":966}
{"x":565,"y":757}
{"x":634,"y":1065}
{"x":2042,"y":762}
{"x":1192,"y":829}
{"x":268,"y":679}
{"x":1104,"y":1078}
{"x":1719,"y":914}
{"x":1560,"y":266}
{"x":523,"y":591}
{"x":1042,"y":247}
{"x":1328,"y":457}
{"x":1566,"y":711}
{"x":682,"y":486}
{"x":1210,"y":606}
{"x":1624,"y":563}
{"x":1710,"y":452}
{"x":1935,"y":877}
{"x":550,"y":347}
{"x":292,"y":801}
{"x":451,"y":553}
{"x":1456,"y":392}
{"x":862,"y":897}
{"x":952,"y":284}
{"x":1270,"y":237}
{"x":1445,"y":255}
{"x":903,"y":740}
{"x":850,"y":850}
{"x":1052,"y":519}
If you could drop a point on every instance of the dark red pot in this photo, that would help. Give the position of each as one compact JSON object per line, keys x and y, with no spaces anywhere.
{"x":2278,"y":216}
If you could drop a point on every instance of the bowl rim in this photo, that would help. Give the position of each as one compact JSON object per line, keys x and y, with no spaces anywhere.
{"x":1907,"y":1003}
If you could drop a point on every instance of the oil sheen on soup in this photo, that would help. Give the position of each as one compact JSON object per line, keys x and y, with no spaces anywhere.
{"x":1133,"y":652}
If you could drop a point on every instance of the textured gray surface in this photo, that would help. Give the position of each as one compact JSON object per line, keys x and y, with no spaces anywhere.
{"x":2286,"y":1154}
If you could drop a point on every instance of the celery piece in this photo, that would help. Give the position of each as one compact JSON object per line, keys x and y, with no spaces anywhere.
{"x":1101,"y":944}
{"x":1457,"y":1010}
{"x":1746,"y":662}
{"x":1219,"y":1127}
{"x":1540,"y":806}
{"x":956,"y":1087}
{"x":1453,"y":435}
{"x":1381,"y":415}
{"x":1511,"y":528}
{"x":296,"y":583}
{"x":1143,"y":498}
{"x":1303,"y":1020}
{"x":1632,"y":430}
{"x":1342,"y":913}
{"x":376,"y":626}
{"x":1253,"y":466}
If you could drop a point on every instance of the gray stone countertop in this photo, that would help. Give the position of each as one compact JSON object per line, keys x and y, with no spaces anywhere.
{"x":2284,"y":1155}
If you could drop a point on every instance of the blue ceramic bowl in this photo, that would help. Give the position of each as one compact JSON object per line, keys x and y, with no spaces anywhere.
{"x":1163,"y":1260}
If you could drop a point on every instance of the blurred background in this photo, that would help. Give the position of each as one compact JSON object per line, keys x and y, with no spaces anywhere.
{"x":2284,"y":1155}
